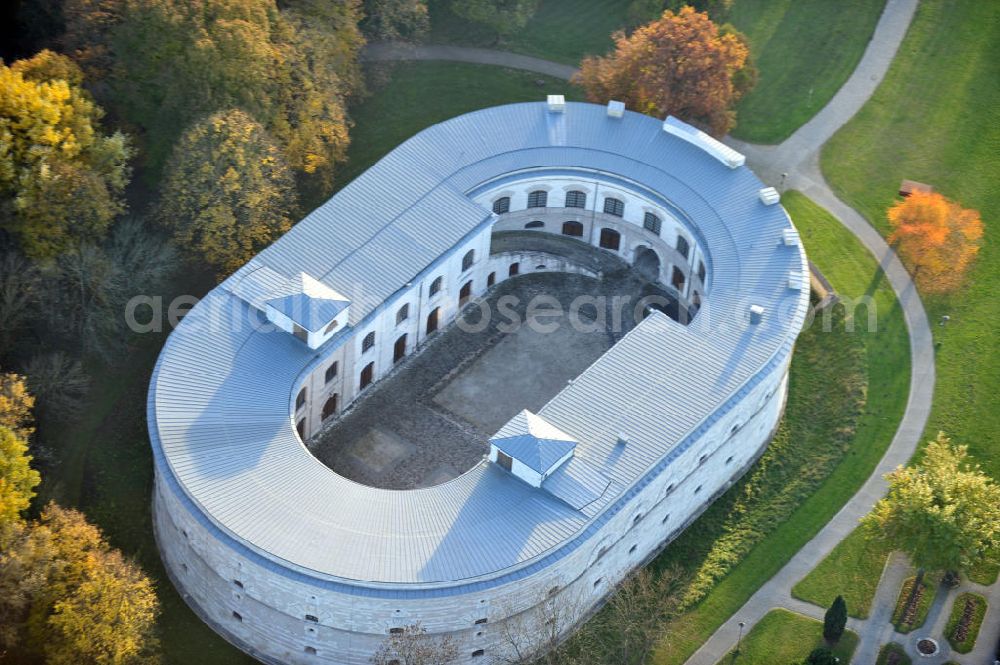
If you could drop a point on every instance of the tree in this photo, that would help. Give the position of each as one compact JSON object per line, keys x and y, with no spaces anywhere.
{"x":636,"y":614}
{"x":835,"y":620}
{"x":413,"y":646}
{"x":396,"y":20}
{"x":16,"y":404}
{"x":944,"y":513}
{"x":505,"y":17}
{"x":821,"y":656}
{"x":61,"y":180}
{"x":173,"y":62}
{"x":17,"y":479}
{"x":227,"y":193}
{"x":936,"y":238}
{"x":681,"y":64}
{"x":19,"y":295}
{"x":59,"y":383}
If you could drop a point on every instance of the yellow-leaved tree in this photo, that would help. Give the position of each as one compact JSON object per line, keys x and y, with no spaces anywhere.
{"x":228,"y":192}
{"x":61,"y":180}
{"x":17,"y":479}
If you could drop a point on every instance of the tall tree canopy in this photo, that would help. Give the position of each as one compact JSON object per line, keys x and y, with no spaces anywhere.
{"x":944,"y":513}
{"x":61,"y":179}
{"x":681,"y":64}
{"x":17,"y":479}
{"x":396,"y":20}
{"x":937,"y":239}
{"x":173,"y":62}
{"x":16,"y":404}
{"x":228,"y":192}
{"x":505,"y":17}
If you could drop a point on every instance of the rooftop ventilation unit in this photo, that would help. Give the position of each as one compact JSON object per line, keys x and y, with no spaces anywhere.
{"x":622,"y":439}
{"x":696,"y":137}
{"x":616,"y":109}
{"x":756,"y":314}
{"x":769,"y":196}
{"x":796,"y":281}
{"x":557,"y":103}
{"x":790,"y":237}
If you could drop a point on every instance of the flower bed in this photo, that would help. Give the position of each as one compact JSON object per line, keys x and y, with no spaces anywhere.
{"x":910,"y":612}
{"x":963,"y":626}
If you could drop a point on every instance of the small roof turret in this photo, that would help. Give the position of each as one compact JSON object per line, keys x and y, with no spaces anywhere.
{"x":307,"y":302}
{"x":535,"y":443}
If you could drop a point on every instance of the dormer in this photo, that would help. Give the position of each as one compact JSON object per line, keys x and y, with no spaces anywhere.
{"x":531,"y":448}
{"x":308,"y":309}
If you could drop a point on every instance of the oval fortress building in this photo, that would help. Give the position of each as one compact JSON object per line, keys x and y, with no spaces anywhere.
{"x":294,"y":563}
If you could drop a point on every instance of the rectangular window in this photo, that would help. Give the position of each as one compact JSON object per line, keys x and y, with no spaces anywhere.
{"x":613,"y":206}
{"x":368,"y":342}
{"x":402,"y":314}
{"x":331,"y":372}
{"x":504,"y":460}
{"x":501,"y":205}
{"x":701,"y":271}
{"x":576,"y":199}
{"x":538,"y":199}
{"x":652,"y":223}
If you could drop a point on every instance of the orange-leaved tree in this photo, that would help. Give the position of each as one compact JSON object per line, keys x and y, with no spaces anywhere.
{"x":936,"y":238}
{"x":681,"y":64}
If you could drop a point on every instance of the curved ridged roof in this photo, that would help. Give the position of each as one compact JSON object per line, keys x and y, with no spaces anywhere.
{"x":221,"y":395}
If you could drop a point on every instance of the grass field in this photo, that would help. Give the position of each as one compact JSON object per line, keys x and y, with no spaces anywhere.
{"x":951,"y":139}
{"x":975,"y":621}
{"x":851,"y":570}
{"x":805,"y":50}
{"x":419,"y":94}
{"x":853,"y":272}
{"x":785,"y":637}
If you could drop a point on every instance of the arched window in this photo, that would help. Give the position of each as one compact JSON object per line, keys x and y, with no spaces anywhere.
{"x":678,"y":279}
{"x":436,"y":285}
{"x":468,"y":259}
{"x":301,"y":428}
{"x":330,"y":328}
{"x":491,"y":279}
{"x":574,"y":229}
{"x":465,"y":293}
{"x":432,"y":320}
{"x":501,"y":205}
{"x":576,"y":199}
{"x":652,"y":223}
{"x":399,"y":349}
{"x":403,"y":313}
{"x":330,"y":406}
{"x":538,"y":198}
{"x":367,"y":376}
{"x":331,"y":372}
{"x":300,"y":399}
{"x":610,"y":239}
{"x":514,"y":269}
{"x":368,"y":342}
{"x":683,"y":246}
{"x":537,"y":224}
{"x":613,"y":206}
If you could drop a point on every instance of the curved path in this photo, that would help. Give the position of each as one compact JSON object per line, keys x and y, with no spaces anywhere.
{"x":798,"y":158}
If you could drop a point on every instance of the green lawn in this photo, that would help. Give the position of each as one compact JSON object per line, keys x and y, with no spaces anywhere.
{"x":561,"y":30}
{"x":783,"y":637}
{"x":805,"y":50}
{"x":851,"y":570}
{"x":936,"y":119}
{"x":853,"y":272}
{"x":975,"y":621}
{"x":420,"y":94}
{"x":930,"y":586}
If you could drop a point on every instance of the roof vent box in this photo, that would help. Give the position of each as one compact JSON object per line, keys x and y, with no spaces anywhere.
{"x":616,"y":109}
{"x":531,"y":448}
{"x":769,"y":196}
{"x":756,"y":314}
{"x":796,"y":281}
{"x":557,"y":103}
{"x":790,"y":237}
{"x":717,"y":149}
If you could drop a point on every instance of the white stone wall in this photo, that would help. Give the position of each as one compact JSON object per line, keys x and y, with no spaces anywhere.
{"x":273,"y":602}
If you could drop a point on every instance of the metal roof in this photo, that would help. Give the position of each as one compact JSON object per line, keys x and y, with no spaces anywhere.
{"x":220,"y":399}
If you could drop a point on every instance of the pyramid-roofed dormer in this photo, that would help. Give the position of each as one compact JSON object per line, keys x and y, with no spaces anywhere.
{"x":307,"y":302}
{"x":530,"y":447}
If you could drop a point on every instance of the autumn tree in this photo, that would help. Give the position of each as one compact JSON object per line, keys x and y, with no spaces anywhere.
{"x":17,"y":479}
{"x":505,"y":17}
{"x":227,"y":192}
{"x":61,"y":179}
{"x":170,"y":63}
{"x":16,"y":404}
{"x":936,"y":238}
{"x":942,"y":512}
{"x":681,"y":64}
{"x":396,"y":20}
{"x":413,"y":646}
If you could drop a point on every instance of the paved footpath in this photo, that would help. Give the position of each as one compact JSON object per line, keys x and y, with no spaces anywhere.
{"x":798,"y":158}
